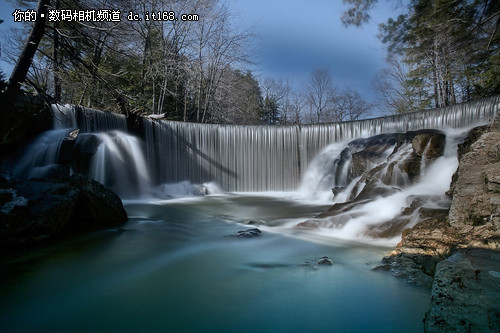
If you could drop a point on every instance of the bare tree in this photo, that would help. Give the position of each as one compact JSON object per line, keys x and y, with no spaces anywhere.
{"x":349,"y":105}
{"x":320,"y":92}
{"x":297,"y":102}
{"x":396,"y":93}
{"x":215,"y":47}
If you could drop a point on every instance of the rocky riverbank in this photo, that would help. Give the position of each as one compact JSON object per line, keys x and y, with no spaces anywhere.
{"x":456,"y":252}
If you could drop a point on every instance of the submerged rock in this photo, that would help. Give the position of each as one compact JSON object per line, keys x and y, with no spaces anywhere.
{"x":309,"y":224}
{"x":325,"y":261}
{"x":248,"y":233}
{"x":255,"y":222}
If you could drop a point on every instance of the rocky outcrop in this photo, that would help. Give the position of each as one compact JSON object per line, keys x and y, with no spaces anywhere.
{"x":466,"y":293}
{"x":84,"y":149}
{"x":456,"y":251}
{"x":475,"y":209}
{"x":39,"y":209}
{"x":422,"y":247}
{"x":385,"y":164}
{"x":388,"y":162}
{"x":473,"y":219}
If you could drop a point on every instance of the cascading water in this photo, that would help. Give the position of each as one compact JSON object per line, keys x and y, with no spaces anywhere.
{"x":238,"y":158}
{"x":119,"y":164}
{"x":374,"y":191}
{"x":103,"y":150}
{"x":86,"y":119}
{"x":276,"y":158}
{"x":242,"y":158}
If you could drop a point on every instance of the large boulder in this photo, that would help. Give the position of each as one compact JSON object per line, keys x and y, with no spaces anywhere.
{"x":369,"y":152}
{"x":96,"y":206}
{"x":38,"y":209}
{"x":465,"y":293}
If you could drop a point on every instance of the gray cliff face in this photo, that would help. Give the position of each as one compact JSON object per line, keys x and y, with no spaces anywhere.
{"x":475,"y":209}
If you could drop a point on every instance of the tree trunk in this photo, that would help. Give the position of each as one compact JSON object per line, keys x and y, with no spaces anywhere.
{"x":25,"y":59}
{"x":55,"y":56}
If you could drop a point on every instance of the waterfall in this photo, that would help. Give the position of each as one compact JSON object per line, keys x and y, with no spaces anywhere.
{"x":236,"y":158}
{"x":86,"y":119}
{"x":103,"y":150}
{"x":275,"y":158}
{"x":119,"y":164}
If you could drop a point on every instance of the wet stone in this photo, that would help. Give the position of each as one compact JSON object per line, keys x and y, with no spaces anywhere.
{"x":325,"y":261}
{"x":248,"y":233}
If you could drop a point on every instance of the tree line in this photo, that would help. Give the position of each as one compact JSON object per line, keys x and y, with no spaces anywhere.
{"x":186,"y":70}
{"x":440,"y":52}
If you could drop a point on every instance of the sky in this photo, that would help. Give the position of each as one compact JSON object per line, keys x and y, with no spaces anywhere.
{"x":297,"y":37}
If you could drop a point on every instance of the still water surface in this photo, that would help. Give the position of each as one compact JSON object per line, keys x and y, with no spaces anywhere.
{"x":174,"y":268}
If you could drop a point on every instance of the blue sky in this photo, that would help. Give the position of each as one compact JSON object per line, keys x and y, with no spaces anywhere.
{"x":299,"y":36}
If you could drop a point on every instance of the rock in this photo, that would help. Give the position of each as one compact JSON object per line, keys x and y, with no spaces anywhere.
{"x":84,"y":149}
{"x":475,"y":190}
{"x":416,"y":269}
{"x":255,"y":222}
{"x":309,"y":224}
{"x":388,"y":229}
{"x":465,"y":295}
{"x":395,"y":170}
{"x":50,"y":207}
{"x":422,"y":246}
{"x":369,"y":152}
{"x":325,"y":261}
{"x":51,"y":171}
{"x":431,"y":236}
{"x":66,"y":150}
{"x":337,"y":189}
{"x":429,"y":145}
{"x":96,"y":207}
{"x":248,"y":233}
